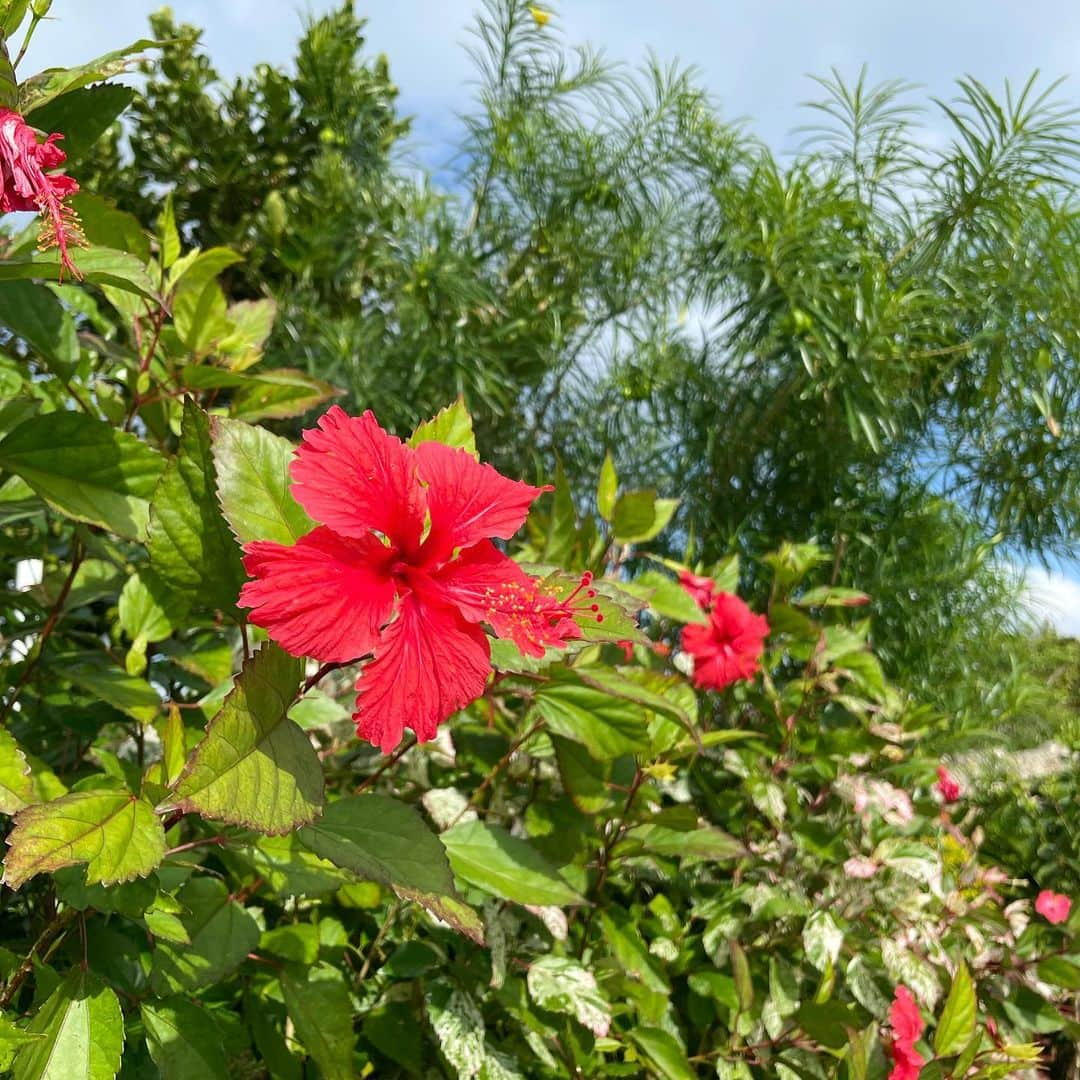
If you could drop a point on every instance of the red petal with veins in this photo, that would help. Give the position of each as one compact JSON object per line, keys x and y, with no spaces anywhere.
{"x":326,"y":596}
{"x":353,"y":476}
{"x":468,"y":501}
{"x":428,"y":664}
{"x":487,"y":586}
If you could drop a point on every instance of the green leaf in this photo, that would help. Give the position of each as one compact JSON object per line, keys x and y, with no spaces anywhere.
{"x":607,"y":489}
{"x":183,"y":1040}
{"x":561,"y":985}
{"x":832,"y":596}
{"x":452,"y":426}
{"x":189,"y":541}
{"x":83,"y":116}
{"x":491,"y":859}
{"x":459,"y":1029}
{"x":12,"y":13}
{"x":666,"y":597}
{"x":168,"y":237}
{"x":253,"y":483}
{"x":199,"y":317}
{"x":828,"y":1023}
{"x":98,"y":265}
{"x":83,"y":1033}
{"x":133,"y":696}
{"x":117,"y":835}
{"x":145,"y":610}
{"x":42,"y":88}
{"x":16,"y":784}
{"x":12,"y":1040}
{"x":32,"y":313}
{"x":1057,"y":970}
{"x":448,"y":909}
{"x":584,"y":777}
{"x":740,"y":970}
{"x":195,"y":270}
{"x":704,"y":843}
{"x":639,"y":516}
{"x":86,"y":469}
{"x":663,"y":1052}
{"x":296,"y":942}
{"x":321,"y":1011}
{"x":221,"y":934}
{"x":279,"y":394}
{"x":607,"y":726}
{"x":957,"y":1023}
{"x":255,"y":767}
{"x":383,"y":839}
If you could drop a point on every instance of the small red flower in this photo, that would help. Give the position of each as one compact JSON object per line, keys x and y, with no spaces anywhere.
{"x":728,"y":647}
{"x":25,"y":184}
{"x":701,"y":589}
{"x":907,"y":1027}
{"x":948,"y":787}
{"x":402,"y":570}
{"x":1052,"y":906}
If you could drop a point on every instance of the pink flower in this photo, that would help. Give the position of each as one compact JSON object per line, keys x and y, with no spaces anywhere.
{"x":948,"y":787}
{"x":403,"y":571}
{"x":860,"y":867}
{"x":26,"y":184}
{"x":907,"y":1028}
{"x":1052,"y":906}
{"x":728,"y":647}
{"x":701,"y":589}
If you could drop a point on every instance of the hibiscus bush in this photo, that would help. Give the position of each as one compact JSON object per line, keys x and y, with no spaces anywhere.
{"x":355,"y":756}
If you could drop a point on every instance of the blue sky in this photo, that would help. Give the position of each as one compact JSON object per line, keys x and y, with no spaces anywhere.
{"x":753,"y":56}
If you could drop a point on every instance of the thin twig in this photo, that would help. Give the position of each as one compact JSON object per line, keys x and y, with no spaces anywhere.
{"x":19,"y":975}
{"x":391,"y":915}
{"x":393,"y":759}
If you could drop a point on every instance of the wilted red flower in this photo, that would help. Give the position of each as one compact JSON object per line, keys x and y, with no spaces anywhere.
{"x":701,"y":589}
{"x":907,"y":1027}
{"x":402,"y":568}
{"x":26,"y":185}
{"x":947,"y":785}
{"x":1052,"y":906}
{"x":728,"y":647}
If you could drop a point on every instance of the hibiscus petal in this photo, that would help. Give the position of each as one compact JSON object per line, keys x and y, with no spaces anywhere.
{"x":487,"y":586}
{"x":352,"y":475}
{"x":428,"y":664}
{"x":468,"y":501}
{"x":326,"y":596}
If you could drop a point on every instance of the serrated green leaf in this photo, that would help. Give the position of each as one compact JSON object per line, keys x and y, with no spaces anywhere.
{"x":584,"y":777}
{"x":255,"y":767}
{"x":253,"y":483}
{"x":490,"y":858}
{"x":608,"y":488}
{"x":703,"y":843}
{"x":221,"y":934}
{"x":321,"y":1011}
{"x":957,"y":1023}
{"x":1060,"y":971}
{"x":383,"y":839}
{"x":192,"y":272}
{"x":452,"y":426}
{"x":86,"y":469}
{"x":279,"y":394}
{"x":183,"y":1040}
{"x":132,"y":696}
{"x":117,"y":835}
{"x":168,"y":237}
{"x":189,"y":542}
{"x":666,"y":597}
{"x":83,"y":1033}
{"x":12,"y":1040}
{"x":16,"y":784}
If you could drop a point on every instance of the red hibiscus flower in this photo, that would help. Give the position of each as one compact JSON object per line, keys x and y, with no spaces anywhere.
{"x":907,"y":1027}
{"x":1052,"y":906}
{"x":728,"y":647}
{"x":402,"y":568}
{"x":26,"y":185}
{"x":948,"y":787}
{"x":701,"y":589}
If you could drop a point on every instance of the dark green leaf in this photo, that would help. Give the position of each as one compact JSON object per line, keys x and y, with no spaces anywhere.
{"x":82,"y":116}
{"x":183,"y":1040}
{"x":321,"y":1010}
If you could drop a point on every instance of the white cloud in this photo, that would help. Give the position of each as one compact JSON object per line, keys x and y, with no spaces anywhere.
{"x":1054,"y":597}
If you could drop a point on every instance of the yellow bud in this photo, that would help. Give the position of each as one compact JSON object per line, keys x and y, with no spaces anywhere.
{"x":541,"y":16}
